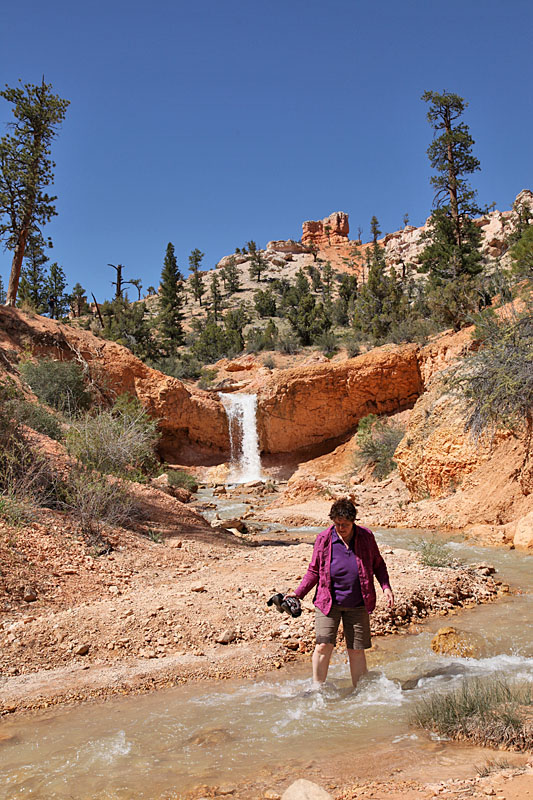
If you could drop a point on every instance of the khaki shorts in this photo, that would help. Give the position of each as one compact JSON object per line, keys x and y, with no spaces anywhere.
{"x":355,"y":623}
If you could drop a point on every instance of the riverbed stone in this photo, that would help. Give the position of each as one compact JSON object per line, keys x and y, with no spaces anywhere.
{"x":450,"y":641}
{"x":303,"y":789}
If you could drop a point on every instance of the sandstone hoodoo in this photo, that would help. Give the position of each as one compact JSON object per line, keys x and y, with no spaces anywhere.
{"x":332,"y":230}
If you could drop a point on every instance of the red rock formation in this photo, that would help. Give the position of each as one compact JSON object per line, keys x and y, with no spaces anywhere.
{"x":301,"y":407}
{"x":332,"y":230}
{"x":188,"y":418}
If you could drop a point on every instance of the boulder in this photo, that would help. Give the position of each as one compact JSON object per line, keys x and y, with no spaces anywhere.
{"x":303,"y":789}
{"x":452,"y":642}
{"x":523,"y":537}
{"x":285,"y":246}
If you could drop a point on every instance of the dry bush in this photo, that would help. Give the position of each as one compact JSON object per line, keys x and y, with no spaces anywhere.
{"x":95,"y":501}
{"x":120,"y":441}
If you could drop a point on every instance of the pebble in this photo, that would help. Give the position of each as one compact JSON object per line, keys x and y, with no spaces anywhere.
{"x":226,"y":636}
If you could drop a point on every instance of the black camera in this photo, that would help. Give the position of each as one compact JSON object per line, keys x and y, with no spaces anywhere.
{"x":287,"y":605}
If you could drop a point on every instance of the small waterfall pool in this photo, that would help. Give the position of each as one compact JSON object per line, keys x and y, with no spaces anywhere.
{"x":166,"y":743}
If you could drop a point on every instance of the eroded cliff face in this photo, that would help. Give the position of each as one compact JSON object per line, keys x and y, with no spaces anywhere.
{"x":299,"y":408}
{"x":189,"y":419}
{"x":484,"y":487}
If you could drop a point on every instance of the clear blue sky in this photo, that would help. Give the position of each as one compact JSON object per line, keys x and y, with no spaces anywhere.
{"x":211,"y":122}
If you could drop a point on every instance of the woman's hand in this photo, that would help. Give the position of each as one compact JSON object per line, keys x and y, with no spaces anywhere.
{"x":390,"y":597}
{"x":290,"y":593}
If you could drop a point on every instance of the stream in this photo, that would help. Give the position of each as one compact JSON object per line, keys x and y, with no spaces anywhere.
{"x":167,"y":742}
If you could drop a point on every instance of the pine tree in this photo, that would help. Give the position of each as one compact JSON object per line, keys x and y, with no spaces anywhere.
{"x":197,"y":284}
{"x":265,"y":303}
{"x":170,"y":315}
{"x":137,"y":282}
{"x":381,"y":302}
{"x":126,"y":324}
{"x":78,"y":300}
{"x":232,"y":279}
{"x":258,"y":264}
{"x":374,"y":227}
{"x":452,"y":256}
{"x":33,"y":291}
{"x":327,"y":284}
{"x":26,"y":169}
{"x":216,"y":297}
{"x":309,"y":319}
{"x":55,"y":285}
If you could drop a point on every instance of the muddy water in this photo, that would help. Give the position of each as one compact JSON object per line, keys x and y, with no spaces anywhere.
{"x":163,"y":744}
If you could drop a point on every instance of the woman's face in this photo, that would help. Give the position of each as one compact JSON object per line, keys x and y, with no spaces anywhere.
{"x":343,"y":526}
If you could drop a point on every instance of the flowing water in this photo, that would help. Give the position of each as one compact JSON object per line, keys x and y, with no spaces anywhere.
{"x":244,"y":442}
{"x":161,"y":744}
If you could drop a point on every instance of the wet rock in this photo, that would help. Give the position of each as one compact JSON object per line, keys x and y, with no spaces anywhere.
{"x":305,"y":790}
{"x":235,"y":522}
{"x":452,"y":642}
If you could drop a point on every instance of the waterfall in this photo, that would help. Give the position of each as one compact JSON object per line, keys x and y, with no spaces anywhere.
{"x":245,"y":458}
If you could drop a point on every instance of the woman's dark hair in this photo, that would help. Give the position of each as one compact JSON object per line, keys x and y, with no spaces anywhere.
{"x":343,"y":509}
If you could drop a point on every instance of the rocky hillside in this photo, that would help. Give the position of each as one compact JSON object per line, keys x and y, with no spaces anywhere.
{"x":314,"y":409}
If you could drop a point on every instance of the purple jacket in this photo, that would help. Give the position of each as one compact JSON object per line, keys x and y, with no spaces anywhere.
{"x":369,"y":560}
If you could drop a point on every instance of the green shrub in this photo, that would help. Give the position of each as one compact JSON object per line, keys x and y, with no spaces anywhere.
{"x":288,"y":344}
{"x":207,"y":377}
{"x":183,"y":367}
{"x":327,"y":342}
{"x":434,"y":554}
{"x":377,"y":442}
{"x":491,"y":713}
{"x":59,"y":384}
{"x":26,"y":480}
{"x":353,"y":346}
{"x":496,"y":382}
{"x":183,"y":480}
{"x":39,"y":419}
{"x":262,"y":338}
{"x":120,"y":441}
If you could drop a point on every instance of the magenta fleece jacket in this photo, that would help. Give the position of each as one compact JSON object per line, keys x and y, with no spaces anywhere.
{"x":369,"y":560}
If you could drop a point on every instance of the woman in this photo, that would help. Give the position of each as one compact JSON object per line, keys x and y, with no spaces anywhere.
{"x":344,"y":562}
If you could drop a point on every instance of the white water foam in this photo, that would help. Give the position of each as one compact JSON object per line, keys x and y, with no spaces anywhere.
{"x":244,"y":442}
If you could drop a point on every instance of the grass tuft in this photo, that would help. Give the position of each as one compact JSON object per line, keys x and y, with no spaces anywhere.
{"x":435,"y":554}
{"x":491,"y":713}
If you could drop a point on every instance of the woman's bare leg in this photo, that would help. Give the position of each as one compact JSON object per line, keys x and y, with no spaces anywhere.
{"x":320,"y":660}
{"x":358,"y":666}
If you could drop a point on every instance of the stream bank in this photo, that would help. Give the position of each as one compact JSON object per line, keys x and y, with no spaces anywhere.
{"x":191,"y":608}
